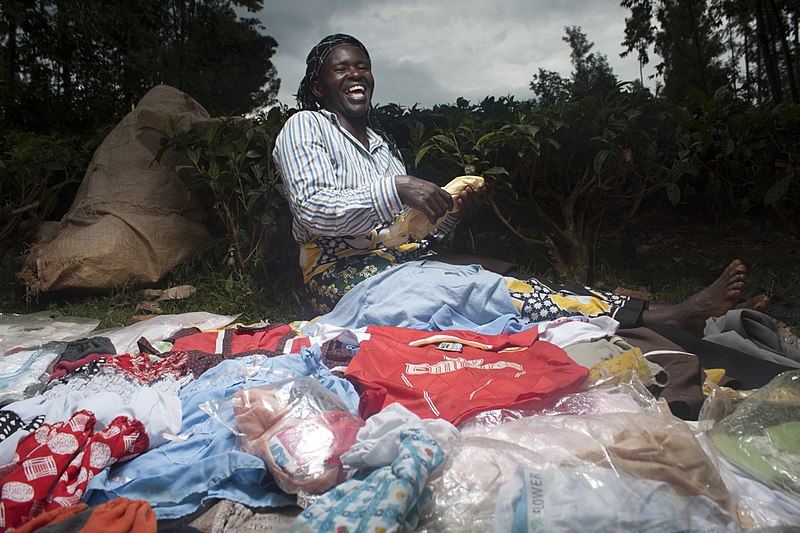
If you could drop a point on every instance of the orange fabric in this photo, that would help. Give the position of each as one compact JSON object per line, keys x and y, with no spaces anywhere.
{"x":122,"y":516}
{"x":50,"y":517}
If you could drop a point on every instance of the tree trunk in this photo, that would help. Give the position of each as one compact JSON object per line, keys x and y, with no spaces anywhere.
{"x":773,"y":76}
{"x":747,"y":78}
{"x":65,"y":54}
{"x":782,"y":34}
{"x":12,"y":70}
{"x":701,"y":62}
{"x":570,"y":258}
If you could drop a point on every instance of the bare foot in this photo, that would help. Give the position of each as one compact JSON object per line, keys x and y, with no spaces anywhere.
{"x":757,"y":303}
{"x":715,"y":300}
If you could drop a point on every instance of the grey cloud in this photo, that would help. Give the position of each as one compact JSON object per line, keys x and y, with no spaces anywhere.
{"x":433,"y":52}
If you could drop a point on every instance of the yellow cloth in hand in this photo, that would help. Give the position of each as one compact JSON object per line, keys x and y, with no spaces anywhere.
{"x":411,"y":224}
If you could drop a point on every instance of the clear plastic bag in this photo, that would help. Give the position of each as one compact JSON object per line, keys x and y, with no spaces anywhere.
{"x":627,"y":396}
{"x":34,"y":330}
{"x":160,"y":327}
{"x":25,"y":373}
{"x":761,"y":433}
{"x":617,"y":440}
{"x":297,"y":426}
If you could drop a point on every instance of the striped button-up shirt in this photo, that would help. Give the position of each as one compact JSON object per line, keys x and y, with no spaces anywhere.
{"x":335,"y":186}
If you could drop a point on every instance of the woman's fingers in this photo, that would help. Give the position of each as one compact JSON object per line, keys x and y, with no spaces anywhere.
{"x":428,"y":198}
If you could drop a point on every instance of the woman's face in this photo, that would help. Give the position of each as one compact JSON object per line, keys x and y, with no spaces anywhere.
{"x":345,"y":83}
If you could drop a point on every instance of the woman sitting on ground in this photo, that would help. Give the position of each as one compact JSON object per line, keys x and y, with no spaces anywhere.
{"x":346,"y":184}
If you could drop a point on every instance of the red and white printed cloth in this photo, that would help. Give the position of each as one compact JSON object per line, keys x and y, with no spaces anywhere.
{"x":55,"y":463}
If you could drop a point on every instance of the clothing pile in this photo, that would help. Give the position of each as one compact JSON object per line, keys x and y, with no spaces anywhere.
{"x":396,"y":411}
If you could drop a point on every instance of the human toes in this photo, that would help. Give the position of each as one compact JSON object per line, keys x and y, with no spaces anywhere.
{"x":757,"y":303}
{"x":735,"y":267}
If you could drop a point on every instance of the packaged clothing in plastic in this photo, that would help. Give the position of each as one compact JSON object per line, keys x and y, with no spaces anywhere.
{"x":37,"y":329}
{"x":642,"y":447}
{"x":299,"y":429}
{"x":157,"y":328}
{"x":204,"y":463}
{"x":592,"y":498}
{"x":762,"y":434}
{"x":24,"y":373}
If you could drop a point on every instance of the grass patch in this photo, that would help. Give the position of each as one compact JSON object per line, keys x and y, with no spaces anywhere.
{"x":280,"y":301}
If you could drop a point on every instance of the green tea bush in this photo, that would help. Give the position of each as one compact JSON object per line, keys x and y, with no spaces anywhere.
{"x":559,"y":174}
{"x":39,"y":176}
{"x":732,"y":157}
{"x":228,"y":164}
{"x":555,"y":172}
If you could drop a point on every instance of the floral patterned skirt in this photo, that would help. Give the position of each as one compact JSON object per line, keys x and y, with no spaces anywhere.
{"x":327,"y":287}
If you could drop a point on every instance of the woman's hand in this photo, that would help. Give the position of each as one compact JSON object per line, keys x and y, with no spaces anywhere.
{"x":424,"y":196}
{"x":469,"y":201}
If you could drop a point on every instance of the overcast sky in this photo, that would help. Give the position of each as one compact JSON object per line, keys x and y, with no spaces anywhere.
{"x":433,"y":51}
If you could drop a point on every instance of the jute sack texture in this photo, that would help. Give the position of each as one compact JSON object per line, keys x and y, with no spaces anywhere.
{"x":132,"y":219}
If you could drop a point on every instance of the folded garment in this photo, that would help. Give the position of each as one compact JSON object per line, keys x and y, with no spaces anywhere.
{"x":755,"y":334}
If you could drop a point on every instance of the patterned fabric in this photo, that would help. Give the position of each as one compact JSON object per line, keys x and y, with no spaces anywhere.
{"x":55,"y":463}
{"x":121,"y":440}
{"x":337,"y":355}
{"x":389,"y":499}
{"x":88,"y":365}
{"x":538,"y":300}
{"x":11,"y":422}
{"x":621,"y":367}
{"x":327,"y":288}
{"x":144,"y":370}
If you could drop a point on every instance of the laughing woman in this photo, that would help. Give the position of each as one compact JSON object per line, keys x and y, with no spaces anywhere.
{"x":345,"y":180}
{"x":346,"y":184}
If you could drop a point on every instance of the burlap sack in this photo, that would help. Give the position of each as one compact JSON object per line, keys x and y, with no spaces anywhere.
{"x":132,"y":219}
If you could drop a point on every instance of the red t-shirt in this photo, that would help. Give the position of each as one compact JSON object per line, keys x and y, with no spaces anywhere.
{"x":455,"y":374}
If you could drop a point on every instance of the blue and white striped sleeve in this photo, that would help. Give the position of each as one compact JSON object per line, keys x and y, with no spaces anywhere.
{"x":324,"y":199}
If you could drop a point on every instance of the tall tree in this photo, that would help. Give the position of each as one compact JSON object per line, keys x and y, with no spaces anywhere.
{"x":711,"y":43}
{"x":639,"y":32}
{"x":71,"y":64}
{"x":591,"y":72}
{"x":549,"y":87}
{"x":685,"y":35}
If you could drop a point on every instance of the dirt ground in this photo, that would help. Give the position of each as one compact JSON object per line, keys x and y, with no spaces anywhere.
{"x":668,"y":258}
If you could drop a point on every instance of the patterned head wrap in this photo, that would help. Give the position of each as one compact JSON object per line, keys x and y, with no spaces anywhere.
{"x":316,"y":57}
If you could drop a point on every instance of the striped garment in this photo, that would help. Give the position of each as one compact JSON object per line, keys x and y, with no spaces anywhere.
{"x":342,"y":195}
{"x":335,"y":186}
